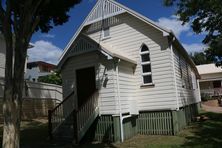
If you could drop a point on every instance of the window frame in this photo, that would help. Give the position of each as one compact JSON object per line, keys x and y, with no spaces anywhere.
{"x":103,"y":33}
{"x":143,"y":74}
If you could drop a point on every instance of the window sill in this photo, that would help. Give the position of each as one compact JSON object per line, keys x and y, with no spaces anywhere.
{"x":105,"y":38}
{"x":147,"y":85}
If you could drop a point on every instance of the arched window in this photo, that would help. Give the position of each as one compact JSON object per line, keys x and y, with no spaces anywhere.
{"x":146,"y":65}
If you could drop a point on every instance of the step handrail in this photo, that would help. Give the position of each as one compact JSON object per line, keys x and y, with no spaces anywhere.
{"x":53,"y":122}
{"x":61,"y":103}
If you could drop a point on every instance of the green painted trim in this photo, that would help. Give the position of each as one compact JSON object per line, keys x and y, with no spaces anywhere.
{"x":116,"y":126}
{"x":107,"y":127}
{"x":155,"y":123}
{"x":130,"y":127}
{"x":175,"y":125}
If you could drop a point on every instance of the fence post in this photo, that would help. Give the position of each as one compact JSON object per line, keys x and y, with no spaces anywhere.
{"x":50,"y":124}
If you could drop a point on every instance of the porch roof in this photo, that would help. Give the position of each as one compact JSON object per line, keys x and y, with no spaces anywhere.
{"x":208,"y":69}
{"x":110,"y":50}
{"x":116,"y":54}
{"x":105,"y":49}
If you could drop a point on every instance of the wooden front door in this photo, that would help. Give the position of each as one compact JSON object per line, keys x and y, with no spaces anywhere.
{"x":86,"y":84}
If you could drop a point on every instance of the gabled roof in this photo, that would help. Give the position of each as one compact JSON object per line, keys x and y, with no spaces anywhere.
{"x":108,"y":8}
{"x":108,"y":5}
{"x":209,"y":69}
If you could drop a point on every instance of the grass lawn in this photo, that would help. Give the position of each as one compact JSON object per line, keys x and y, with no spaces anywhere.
{"x":200,"y":134}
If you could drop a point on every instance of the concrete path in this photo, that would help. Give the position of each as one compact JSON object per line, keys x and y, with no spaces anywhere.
{"x":212,"y":108}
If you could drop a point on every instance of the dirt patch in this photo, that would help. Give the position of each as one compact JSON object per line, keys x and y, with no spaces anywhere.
{"x":213,"y":109}
{"x":213,"y":103}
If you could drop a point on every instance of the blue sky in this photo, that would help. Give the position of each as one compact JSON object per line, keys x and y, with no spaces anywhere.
{"x":48,"y":47}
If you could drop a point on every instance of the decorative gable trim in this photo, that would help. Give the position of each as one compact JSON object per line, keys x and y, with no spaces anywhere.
{"x":104,"y":9}
{"x":81,"y":46}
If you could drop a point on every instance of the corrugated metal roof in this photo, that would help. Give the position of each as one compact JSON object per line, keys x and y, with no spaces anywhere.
{"x":208,"y":69}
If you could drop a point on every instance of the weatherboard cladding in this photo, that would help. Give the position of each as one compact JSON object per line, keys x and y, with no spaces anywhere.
{"x":107,"y":100}
{"x":127,"y":36}
{"x":186,"y":93}
{"x":96,"y":8}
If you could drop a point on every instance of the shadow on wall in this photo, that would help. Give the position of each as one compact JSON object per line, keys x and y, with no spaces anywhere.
{"x":36,"y":108}
{"x":38,"y":99}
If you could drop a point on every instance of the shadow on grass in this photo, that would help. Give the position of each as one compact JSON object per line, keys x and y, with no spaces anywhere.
{"x":34,"y":134}
{"x":207,"y":133}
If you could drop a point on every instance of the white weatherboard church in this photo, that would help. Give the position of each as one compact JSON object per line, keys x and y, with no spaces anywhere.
{"x":124,"y":75}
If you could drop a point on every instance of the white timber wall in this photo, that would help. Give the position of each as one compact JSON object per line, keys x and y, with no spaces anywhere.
{"x":103,"y":68}
{"x":127,"y":36}
{"x":127,"y":86}
{"x":188,"y":91}
{"x":107,"y":87}
{"x":2,"y":57}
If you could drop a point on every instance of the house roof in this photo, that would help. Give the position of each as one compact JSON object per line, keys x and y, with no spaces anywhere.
{"x":209,"y":69}
{"x":110,"y":50}
{"x":122,"y":9}
{"x":38,"y":63}
{"x":126,"y":9}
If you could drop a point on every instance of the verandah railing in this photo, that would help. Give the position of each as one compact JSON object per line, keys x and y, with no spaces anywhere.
{"x":212,"y":92}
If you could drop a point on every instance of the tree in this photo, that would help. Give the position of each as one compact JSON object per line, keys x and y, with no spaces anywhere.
{"x":20,"y":19}
{"x":205,"y":16}
{"x":54,"y":78}
{"x":200,"y":58}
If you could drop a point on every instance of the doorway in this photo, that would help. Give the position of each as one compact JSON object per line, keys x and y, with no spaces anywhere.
{"x":86,"y":84}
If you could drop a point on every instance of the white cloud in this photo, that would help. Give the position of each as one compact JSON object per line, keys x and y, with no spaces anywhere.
{"x":44,"y":51}
{"x":174,"y":24}
{"x":195,"y":47}
{"x":48,"y":35}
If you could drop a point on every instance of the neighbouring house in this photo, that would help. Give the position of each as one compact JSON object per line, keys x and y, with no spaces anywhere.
{"x":211,"y":80}
{"x":37,"y":69}
{"x":124,"y":75}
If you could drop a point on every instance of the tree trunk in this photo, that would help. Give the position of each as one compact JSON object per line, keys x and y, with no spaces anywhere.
{"x":11,"y":134}
{"x":12,"y":106}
